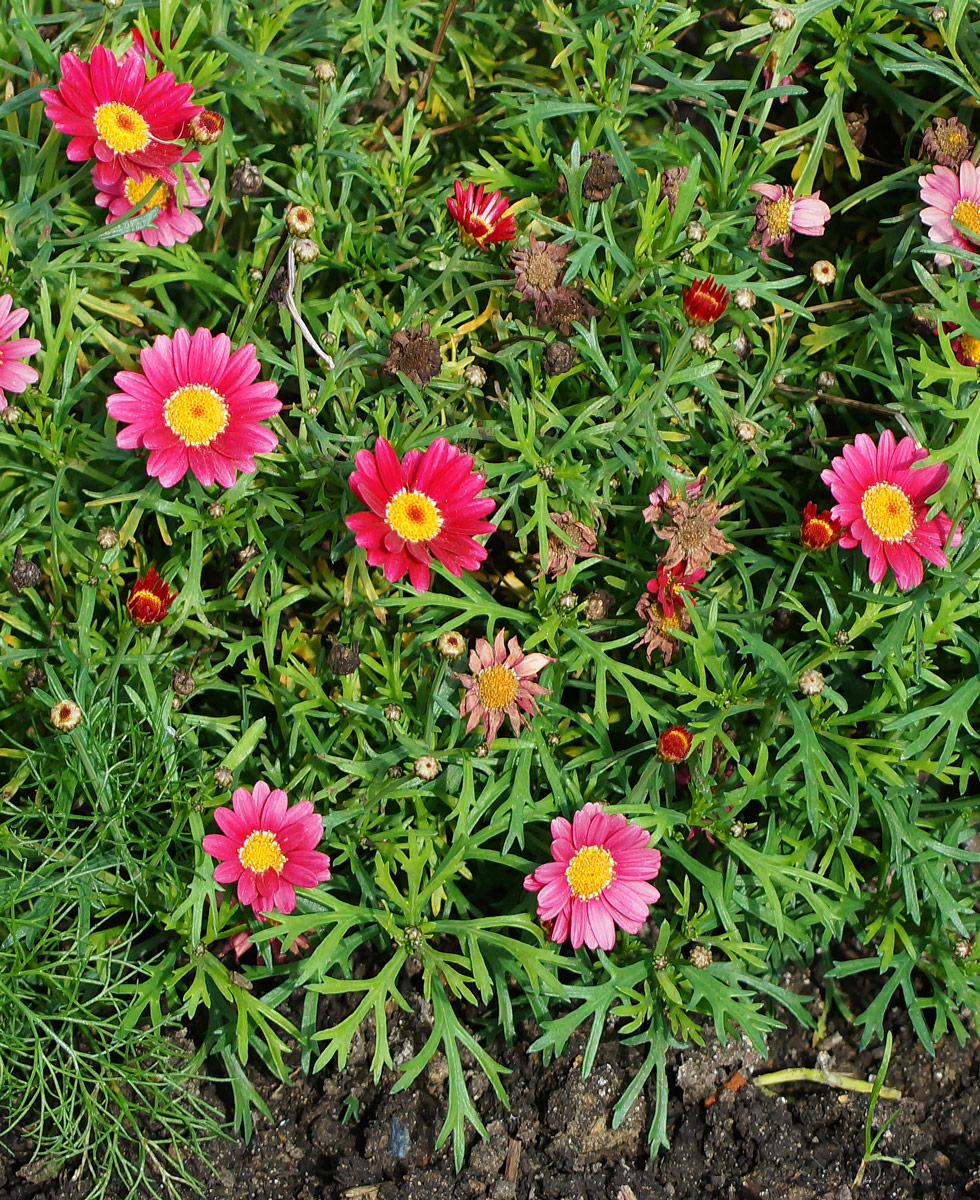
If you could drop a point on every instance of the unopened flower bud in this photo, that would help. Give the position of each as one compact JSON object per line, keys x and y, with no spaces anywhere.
{"x":299,"y":220}
{"x":182,"y":681}
{"x":305,"y":250}
{"x":245,"y":179}
{"x":744,"y":298}
{"x":660,"y":962}
{"x":247,"y":553}
{"x":701,"y":957}
{"x":826,"y":380}
{"x":546,"y":471}
{"x":216,"y":509}
{"x":823,"y":272}
{"x":598,"y":604}
{"x":324,"y":70}
{"x":175,"y":703}
{"x":781,"y":19}
{"x":568,"y":600}
{"x":426,"y":767}
{"x":112,"y":5}
{"x":701,"y":342}
{"x":12,"y":415}
{"x":475,"y":375}
{"x":451,"y":644}
{"x":741,"y":346}
{"x":206,"y":127}
{"x":35,"y":677}
{"x":811,"y":683}
{"x":23,"y":573}
{"x":841,"y":637}
{"x":481,"y":750}
{"x":938,"y":13}
{"x":395,"y":771}
{"x":65,"y":716}
{"x":107,"y":537}
{"x":686,"y":258}
{"x":962,"y":948}
{"x":343,"y":660}
{"x":976,"y":490}
{"x":745,"y":431}
{"x":223,"y":777}
{"x":553,"y":740}
{"x":392,"y":712}
{"x":737,"y":829}
{"x":695,"y":231}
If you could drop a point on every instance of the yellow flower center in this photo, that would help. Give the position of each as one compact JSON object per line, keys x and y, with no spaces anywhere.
{"x":496,"y":686}
{"x":413,"y":516}
{"x":260,"y":852}
{"x":967,"y":213}
{"x":970,"y":346}
{"x":196,"y":414}
{"x":778,"y":213}
{"x":121,"y":128}
{"x":888,"y":512}
{"x":137,"y":190}
{"x":950,"y":141}
{"x":476,"y":230}
{"x":590,"y":872}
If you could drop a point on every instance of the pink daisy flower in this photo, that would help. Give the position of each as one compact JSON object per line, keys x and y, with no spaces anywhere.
{"x":195,"y":407}
{"x":172,"y":223}
{"x":14,"y":376}
{"x":779,"y":215}
{"x":426,"y":504}
{"x":502,"y":685}
{"x":129,"y":124}
{"x":882,"y":504}
{"x":268,"y":848}
{"x":951,"y":196}
{"x":482,"y":219}
{"x":597,"y":879}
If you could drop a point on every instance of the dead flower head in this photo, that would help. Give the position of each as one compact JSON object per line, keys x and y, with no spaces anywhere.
{"x":670,"y":186}
{"x":568,"y":306}
{"x":415,"y":354}
{"x":947,"y":143}
{"x":561,"y":554}
{"x":692,"y":536}
{"x":601,"y":177}
{"x":538,"y":271}
{"x":660,"y":628}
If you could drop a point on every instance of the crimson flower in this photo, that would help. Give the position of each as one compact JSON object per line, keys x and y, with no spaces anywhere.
{"x":819,"y":530}
{"x":671,"y":582}
{"x":482,"y":218}
{"x":704,"y":301}
{"x":674,"y":744}
{"x":150,"y":599}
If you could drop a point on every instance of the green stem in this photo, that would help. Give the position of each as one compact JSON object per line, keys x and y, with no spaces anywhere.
{"x":848,"y":1083}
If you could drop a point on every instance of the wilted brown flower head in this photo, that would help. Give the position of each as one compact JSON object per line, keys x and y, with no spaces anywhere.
{"x":245,"y":179}
{"x":670,"y":186}
{"x":660,"y":628}
{"x":568,"y":305}
{"x":692,"y":536}
{"x":662,"y":495}
{"x":598,"y":604}
{"x":561,"y":555}
{"x":23,"y":573}
{"x":601,"y":177}
{"x":343,"y":660}
{"x":415,"y":354}
{"x":559,"y":357}
{"x":947,"y":143}
{"x":538,"y":271}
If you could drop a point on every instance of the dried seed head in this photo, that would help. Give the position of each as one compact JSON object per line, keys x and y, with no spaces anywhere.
{"x":598,"y":604}
{"x":393,"y":712}
{"x":245,"y":179}
{"x":414,"y":353}
{"x":223,"y":777}
{"x":568,"y":600}
{"x":744,"y":298}
{"x":811,"y":683}
{"x":299,"y":220}
{"x":12,"y":415}
{"x":745,"y":431}
{"x":826,"y":380}
{"x":182,"y":681}
{"x":426,"y":767}
{"x":107,"y":537}
{"x":701,"y":342}
{"x":205,"y":128}
{"x":35,"y":676}
{"x":343,"y":660}
{"x":781,"y":19}
{"x":305,"y":250}
{"x":247,"y":553}
{"x":701,"y":957}
{"x":23,"y":573}
{"x":65,"y":716}
{"x":324,"y":71}
{"x":601,"y":177}
{"x":216,"y":509}
{"x":475,"y":375}
{"x":695,"y":231}
{"x":451,"y":644}
{"x":823,"y":272}
{"x":559,"y":357}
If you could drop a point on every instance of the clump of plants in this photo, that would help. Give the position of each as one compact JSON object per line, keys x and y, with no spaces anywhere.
{"x":488,"y":510}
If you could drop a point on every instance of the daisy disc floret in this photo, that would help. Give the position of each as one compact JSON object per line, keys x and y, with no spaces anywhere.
{"x":704,"y":301}
{"x":483,"y":218}
{"x":502,"y":685}
{"x":267,"y":847}
{"x":779,"y":215}
{"x":951,"y":196}
{"x":174,"y":221}
{"x":597,"y":879}
{"x":114,"y":114}
{"x":882,"y":502}
{"x":195,"y":407}
{"x":15,"y":375}
{"x":149,"y":599}
{"x":424,"y":505}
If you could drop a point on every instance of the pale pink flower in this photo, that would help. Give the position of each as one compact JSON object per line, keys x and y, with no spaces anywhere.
{"x":597,"y":879}
{"x":951,"y":196}
{"x":882,"y":501}
{"x":174,"y":222}
{"x":502,"y":685}
{"x":15,"y":376}
{"x":268,"y":848}
{"x":779,"y":215}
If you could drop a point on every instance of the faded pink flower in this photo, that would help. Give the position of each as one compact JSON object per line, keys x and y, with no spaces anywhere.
{"x":779,"y":215}
{"x":174,"y":222}
{"x":598,"y":878}
{"x":951,"y":196}
{"x":268,"y":848}
{"x":882,"y":502}
{"x":15,"y":376}
{"x":502,"y":685}
{"x":662,"y":493}
{"x":948,"y":142}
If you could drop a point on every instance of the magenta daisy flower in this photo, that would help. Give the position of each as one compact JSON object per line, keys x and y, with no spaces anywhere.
{"x":882,"y":504}
{"x":268,"y":848}
{"x":779,"y":215}
{"x":14,"y":376}
{"x":482,"y":218}
{"x":114,"y":114}
{"x":426,"y":504}
{"x":195,"y":407}
{"x":951,"y":196}
{"x":174,"y":222}
{"x":502,"y":685}
{"x":597,"y":879}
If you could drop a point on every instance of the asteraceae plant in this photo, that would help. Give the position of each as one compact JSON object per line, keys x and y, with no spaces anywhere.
{"x":482,"y":218}
{"x":704,"y":301}
{"x":15,"y":376}
{"x":692,"y":536}
{"x":195,"y":407}
{"x":597,"y":879}
{"x":670,"y":584}
{"x":779,"y":215}
{"x":174,"y":221}
{"x":538,"y":272}
{"x":114,"y":114}
{"x":268,"y":848}
{"x":149,"y":599}
{"x":818,"y":530}
{"x":502,"y":685}
{"x":882,"y":502}
{"x":661,"y":627}
{"x":948,"y":142}
{"x":674,"y":744}
{"x":951,"y":196}
{"x":426,"y":504}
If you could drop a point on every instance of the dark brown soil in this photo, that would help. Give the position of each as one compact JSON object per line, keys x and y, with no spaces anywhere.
{"x":556,"y":1143}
